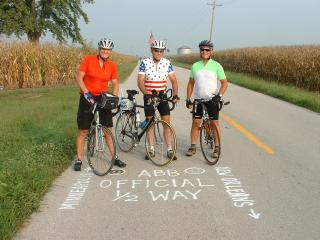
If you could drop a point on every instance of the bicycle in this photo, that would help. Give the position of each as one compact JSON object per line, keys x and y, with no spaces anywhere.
{"x":101,"y":147}
{"x":158,"y":132}
{"x":210,"y":141}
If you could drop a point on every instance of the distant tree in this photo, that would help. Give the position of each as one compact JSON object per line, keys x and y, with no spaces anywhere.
{"x":38,"y":17}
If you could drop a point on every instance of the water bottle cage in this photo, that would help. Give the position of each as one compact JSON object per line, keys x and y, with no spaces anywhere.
{"x":143,"y":124}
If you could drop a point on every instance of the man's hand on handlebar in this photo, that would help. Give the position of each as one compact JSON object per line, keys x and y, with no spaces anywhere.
{"x":148,"y":97}
{"x":175,"y":99}
{"x":216,"y":98}
{"x":89,"y":97}
{"x":188,"y":103}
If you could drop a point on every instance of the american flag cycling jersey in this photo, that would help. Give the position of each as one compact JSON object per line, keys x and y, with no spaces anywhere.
{"x":155,"y":76}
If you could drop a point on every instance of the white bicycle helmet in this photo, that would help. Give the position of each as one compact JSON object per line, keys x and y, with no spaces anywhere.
{"x":158,"y":44}
{"x":106,"y":43}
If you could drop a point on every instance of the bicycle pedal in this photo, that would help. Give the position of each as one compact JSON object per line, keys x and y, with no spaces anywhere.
{"x":120,"y":171}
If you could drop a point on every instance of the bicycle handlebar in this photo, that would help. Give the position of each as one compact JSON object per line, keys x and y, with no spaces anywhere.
{"x":164,"y":96}
{"x":221,"y":103}
{"x":156,"y":97}
{"x":116,"y":112}
{"x":94,"y":106}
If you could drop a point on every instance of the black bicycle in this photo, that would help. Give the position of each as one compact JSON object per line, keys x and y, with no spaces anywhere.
{"x":159,"y":134}
{"x":210,"y":140}
{"x":101,"y":147}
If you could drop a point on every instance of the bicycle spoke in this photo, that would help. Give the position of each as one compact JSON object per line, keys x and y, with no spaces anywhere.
{"x":123,"y":131}
{"x":158,"y":137}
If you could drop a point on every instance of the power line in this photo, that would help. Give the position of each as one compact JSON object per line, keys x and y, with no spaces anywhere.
{"x":214,"y":5}
{"x":230,"y":2}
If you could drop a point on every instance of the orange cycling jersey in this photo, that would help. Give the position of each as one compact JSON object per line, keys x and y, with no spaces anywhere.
{"x":96,"y":78}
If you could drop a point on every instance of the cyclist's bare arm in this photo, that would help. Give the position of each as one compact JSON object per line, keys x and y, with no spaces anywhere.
{"x":115,"y":86}
{"x":190,"y":88}
{"x":81,"y":84}
{"x":224,"y":86}
{"x":141,"y":78}
{"x":174,"y":83}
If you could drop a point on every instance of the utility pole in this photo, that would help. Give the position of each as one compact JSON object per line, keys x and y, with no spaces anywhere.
{"x":214,"y":5}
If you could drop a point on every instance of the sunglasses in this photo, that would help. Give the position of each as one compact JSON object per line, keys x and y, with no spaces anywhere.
{"x":105,"y":49}
{"x":205,"y":49}
{"x":158,"y":51}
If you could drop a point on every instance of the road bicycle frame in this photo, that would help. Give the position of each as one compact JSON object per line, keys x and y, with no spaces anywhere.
{"x":137,"y":137}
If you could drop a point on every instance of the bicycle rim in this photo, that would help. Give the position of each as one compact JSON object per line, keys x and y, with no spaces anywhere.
{"x":160,"y":141}
{"x":123,"y":131}
{"x":208,"y":143}
{"x":101,"y":150}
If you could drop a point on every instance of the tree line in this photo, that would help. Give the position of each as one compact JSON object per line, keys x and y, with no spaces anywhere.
{"x":36,"y":18}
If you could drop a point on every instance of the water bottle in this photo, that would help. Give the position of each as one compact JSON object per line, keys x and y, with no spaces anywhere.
{"x":138,"y":120}
{"x":143,"y":124}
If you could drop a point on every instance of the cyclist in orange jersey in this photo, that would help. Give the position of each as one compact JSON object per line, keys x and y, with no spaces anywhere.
{"x":94,"y":74}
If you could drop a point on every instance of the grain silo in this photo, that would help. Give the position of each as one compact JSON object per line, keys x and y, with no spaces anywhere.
{"x":184,"y":50}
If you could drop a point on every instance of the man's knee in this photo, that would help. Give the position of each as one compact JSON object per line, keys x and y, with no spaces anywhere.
{"x":166,"y":118}
{"x":83,"y":132}
{"x":196,"y":123}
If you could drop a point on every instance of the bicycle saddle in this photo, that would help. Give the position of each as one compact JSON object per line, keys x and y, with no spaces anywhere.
{"x":132,"y":92}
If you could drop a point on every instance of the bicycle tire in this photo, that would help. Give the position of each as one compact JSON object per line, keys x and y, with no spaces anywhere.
{"x":123,"y":131}
{"x":207,"y":142}
{"x":99,"y":156}
{"x":160,"y":157}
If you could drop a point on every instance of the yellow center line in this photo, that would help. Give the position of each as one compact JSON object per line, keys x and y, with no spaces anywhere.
{"x":248,"y":134}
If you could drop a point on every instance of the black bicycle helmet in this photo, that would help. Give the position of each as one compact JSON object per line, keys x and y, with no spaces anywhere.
{"x":206,"y":43}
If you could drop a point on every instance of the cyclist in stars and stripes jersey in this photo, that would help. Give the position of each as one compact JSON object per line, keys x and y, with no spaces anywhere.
{"x":153,"y":74}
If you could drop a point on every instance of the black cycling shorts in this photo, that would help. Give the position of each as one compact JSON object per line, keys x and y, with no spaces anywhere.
{"x":212,"y":108}
{"x":85,"y":117}
{"x":163,"y":108}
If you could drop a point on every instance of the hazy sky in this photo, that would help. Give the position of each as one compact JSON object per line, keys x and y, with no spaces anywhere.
{"x":238,"y":23}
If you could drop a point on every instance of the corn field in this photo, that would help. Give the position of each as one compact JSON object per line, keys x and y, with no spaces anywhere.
{"x":295,"y":65}
{"x":24,"y":65}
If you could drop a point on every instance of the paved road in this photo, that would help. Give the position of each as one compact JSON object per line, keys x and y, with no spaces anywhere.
{"x":266,"y":185}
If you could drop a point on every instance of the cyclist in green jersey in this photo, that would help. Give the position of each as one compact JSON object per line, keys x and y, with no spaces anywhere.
{"x":207,"y":80}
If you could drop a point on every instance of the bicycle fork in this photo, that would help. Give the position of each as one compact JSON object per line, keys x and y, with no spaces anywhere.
{"x":100,"y":143}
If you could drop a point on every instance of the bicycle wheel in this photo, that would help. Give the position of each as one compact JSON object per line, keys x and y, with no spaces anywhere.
{"x":101,"y":150}
{"x":123,"y":131}
{"x":159,"y":136}
{"x":209,"y":144}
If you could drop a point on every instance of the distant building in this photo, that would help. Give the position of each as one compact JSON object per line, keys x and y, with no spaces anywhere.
{"x":184,"y":50}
